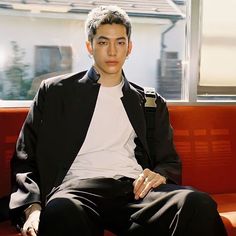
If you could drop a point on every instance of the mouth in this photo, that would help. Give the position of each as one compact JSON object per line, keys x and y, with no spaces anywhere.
{"x":112,"y":63}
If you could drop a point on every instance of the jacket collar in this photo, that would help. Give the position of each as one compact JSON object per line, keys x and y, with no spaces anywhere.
{"x":93,"y":75}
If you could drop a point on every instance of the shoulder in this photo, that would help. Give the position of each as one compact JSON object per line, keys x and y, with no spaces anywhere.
{"x":137,"y":89}
{"x":143,"y":91}
{"x":62,"y":80}
{"x":59,"y":83}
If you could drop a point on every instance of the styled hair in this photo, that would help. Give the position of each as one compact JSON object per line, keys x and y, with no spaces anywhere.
{"x":106,"y":15}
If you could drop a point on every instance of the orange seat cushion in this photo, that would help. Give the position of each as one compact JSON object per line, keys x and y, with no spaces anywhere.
{"x":227,"y":209}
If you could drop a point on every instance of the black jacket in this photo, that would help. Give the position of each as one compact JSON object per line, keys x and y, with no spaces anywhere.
{"x":56,"y":126}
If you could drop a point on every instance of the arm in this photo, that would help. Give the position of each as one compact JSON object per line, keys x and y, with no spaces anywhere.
{"x":166,"y":165}
{"x":32,"y":215}
{"x":165,"y":158}
{"x":24,"y":171}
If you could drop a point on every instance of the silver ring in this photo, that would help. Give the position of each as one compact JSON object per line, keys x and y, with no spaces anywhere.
{"x":164,"y":180}
{"x":146,"y":180}
{"x":29,"y":228}
{"x":142,"y":175}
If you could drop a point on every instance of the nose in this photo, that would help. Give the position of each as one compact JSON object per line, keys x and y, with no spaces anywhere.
{"x":112,"y":50}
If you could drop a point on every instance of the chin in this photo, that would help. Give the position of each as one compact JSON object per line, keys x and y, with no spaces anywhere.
{"x":112,"y":70}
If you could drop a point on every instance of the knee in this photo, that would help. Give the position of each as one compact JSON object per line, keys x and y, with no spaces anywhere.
{"x":60,"y":208}
{"x":201,"y":202}
{"x":61,"y":213}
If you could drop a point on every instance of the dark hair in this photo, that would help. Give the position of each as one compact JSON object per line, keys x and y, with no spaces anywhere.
{"x":106,"y":15}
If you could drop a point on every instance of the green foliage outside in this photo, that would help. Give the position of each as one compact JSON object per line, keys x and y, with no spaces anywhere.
{"x":16,"y":84}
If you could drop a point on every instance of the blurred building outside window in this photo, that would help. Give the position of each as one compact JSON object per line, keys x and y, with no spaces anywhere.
{"x":43,"y":40}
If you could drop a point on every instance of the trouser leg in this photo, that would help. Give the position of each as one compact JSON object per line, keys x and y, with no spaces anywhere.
{"x":85,"y":208}
{"x":199,"y":216}
{"x":179,"y":212}
{"x":95,"y":204}
{"x":67,"y":216}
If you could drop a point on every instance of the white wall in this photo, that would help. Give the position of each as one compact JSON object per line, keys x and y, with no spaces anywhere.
{"x":141,"y":67}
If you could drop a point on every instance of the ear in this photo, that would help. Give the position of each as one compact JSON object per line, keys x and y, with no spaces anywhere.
{"x":130,"y":46}
{"x":89,"y":47}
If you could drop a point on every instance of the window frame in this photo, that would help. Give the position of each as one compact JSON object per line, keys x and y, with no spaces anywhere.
{"x":191,"y":70}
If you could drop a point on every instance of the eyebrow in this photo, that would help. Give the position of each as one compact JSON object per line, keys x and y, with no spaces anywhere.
{"x":106,"y":38}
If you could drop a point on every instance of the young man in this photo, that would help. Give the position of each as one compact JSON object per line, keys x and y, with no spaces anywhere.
{"x":82,"y":162}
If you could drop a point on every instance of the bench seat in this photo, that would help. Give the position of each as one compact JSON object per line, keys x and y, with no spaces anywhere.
{"x":205,"y":138}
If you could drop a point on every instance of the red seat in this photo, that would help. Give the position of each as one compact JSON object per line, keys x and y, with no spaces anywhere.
{"x":205,"y":138}
{"x":6,"y":229}
{"x":227,"y":208}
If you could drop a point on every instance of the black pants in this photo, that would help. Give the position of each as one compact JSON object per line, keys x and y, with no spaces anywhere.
{"x":87,"y":207}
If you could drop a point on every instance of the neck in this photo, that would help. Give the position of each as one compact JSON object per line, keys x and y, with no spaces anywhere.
{"x":108,"y":80}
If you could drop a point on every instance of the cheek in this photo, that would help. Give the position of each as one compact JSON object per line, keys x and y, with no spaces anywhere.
{"x":98,"y":56}
{"x":99,"y":51}
{"x":124,"y":52}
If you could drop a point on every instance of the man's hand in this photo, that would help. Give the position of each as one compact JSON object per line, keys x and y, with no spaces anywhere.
{"x":32,"y":214}
{"x":146,"y":181}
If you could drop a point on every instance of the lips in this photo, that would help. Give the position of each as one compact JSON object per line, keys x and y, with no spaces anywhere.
{"x":112,"y":63}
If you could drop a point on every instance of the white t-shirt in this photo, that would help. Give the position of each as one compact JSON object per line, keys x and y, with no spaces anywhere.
{"x":108,"y":149}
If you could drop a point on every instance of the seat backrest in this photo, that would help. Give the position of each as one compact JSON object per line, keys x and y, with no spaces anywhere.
{"x":11,"y":120}
{"x":205,"y":138}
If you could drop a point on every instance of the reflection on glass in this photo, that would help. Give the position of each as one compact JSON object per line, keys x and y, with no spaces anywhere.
{"x":43,"y":40}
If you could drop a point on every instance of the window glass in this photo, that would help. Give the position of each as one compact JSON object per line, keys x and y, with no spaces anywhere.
{"x":44,"y":39}
{"x":50,"y":61}
{"x":218,"y":49}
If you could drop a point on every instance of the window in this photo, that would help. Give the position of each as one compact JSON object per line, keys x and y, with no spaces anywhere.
{"x":45,"y":39}
{"x":217,"y":78}
{"x":13,"y":84}
{"x":50,"y":61}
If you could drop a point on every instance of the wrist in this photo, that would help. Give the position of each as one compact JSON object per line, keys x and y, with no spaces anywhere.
{"x":32,"y":208}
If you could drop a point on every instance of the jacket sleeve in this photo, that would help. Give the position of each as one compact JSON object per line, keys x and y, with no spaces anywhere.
{"x":25,"y":177}
{"x":163,"y":154}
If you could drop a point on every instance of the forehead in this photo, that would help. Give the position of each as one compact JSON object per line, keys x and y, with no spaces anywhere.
{"x":111,"y":31}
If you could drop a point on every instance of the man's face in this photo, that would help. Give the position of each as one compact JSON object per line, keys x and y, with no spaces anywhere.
{"x":109,"y":48}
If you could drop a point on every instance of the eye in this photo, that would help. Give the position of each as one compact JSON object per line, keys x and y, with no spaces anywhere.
{"x":102,"y":43}
{"x":121,"y":42}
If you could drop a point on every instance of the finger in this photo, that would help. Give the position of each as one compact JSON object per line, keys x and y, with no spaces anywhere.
{"x":23,"y":232}
{"x":143,"y":188}
{"x":138,"y":182}
{"x":31,"y":232}
{"x":138,"y":192}
{"x":147,"y":186}
{"x":26,"y":232}
{"x":35,"y":225}
{"x":153,"y":180}
{"x":30,"y":228}
{"x":160,"y":181}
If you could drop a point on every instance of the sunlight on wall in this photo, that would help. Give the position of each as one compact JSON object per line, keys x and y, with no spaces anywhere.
{"x":218,"y":52}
